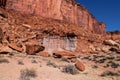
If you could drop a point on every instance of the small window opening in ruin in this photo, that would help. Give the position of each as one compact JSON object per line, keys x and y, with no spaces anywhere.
{"x":3,"y":3}
{"x":71,"y":35}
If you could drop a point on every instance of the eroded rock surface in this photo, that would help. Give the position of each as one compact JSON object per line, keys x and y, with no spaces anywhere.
{"x":66,"y":10}
{"x":1,"y":35}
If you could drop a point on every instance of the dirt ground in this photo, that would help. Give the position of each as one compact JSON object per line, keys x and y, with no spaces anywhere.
{"x":11,"y":66}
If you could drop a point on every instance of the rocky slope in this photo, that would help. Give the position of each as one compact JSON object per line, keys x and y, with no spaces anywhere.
{"x":22,"y":29}
{"x":115,"y":35}
{"x":66,"y":10}
{"x":26,"y":33}
{"x":29,"y":41}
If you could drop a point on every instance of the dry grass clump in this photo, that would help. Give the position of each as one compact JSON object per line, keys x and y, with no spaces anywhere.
{"x":26,"y":74}
{"x":65,"y":59}
{"x":33,"y":61}
{"x":51,"y":64}
{"x":2,"y":60}
{"x":20,"y":62}
{"x":70,"y":69}
{"x":109,"y":73}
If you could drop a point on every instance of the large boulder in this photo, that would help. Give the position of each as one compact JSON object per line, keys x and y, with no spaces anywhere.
{"x":5,"y":50}
{"x":64,"y":54}
{"x":111,"y":43}
{"x":44,"y":54}
{"x":105,"y":49}
{"x":80,"y":66}
{"x":32,"y":49}
{"x":16,"y":47}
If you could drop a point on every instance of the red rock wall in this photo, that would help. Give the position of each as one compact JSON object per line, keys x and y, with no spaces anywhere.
{"x":114,"y":36}
{"x":67,"y":10}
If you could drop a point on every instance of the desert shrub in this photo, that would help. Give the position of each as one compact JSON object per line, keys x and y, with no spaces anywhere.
{"x":10,"y":55}
{"x":33,"y":61}
{"x":113,"y":64}
{"x":101,"y":60}
{"x":110,"y":57}
{"x":109,"y":73}
{"x":4,"y":60}
{"x":26,"y":74}
{"x":70,"y":69}
{"x":65,"y":59}
{"x":94,"y":67}
{"x":51,"y":64}
{"x":20,"y":62}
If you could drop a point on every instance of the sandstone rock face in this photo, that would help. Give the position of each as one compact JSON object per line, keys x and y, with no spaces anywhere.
{"x":66,"y":10}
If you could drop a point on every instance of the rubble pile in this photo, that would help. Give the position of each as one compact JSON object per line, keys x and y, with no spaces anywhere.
{"x":19,"y":30}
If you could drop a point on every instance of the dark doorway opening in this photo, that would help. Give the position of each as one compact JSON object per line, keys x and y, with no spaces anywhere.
{"x":3,"y":3}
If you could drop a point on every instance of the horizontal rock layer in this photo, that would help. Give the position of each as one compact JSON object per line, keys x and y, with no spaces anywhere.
{"x":66,"y":10}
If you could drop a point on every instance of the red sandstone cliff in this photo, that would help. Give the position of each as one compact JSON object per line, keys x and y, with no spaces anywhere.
{"x":115,"y":35}
{"x":67,"y":10}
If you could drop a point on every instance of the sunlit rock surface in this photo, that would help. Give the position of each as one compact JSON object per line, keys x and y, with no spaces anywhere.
{"x":66,"y":10}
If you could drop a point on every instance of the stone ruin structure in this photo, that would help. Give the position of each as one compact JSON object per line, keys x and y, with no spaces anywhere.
{"x":57,"y":43}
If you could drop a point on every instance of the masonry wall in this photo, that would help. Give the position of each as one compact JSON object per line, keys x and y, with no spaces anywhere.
{"x":56,"y":43}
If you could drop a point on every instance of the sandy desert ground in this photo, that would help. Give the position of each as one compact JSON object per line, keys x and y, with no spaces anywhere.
{"x":49,"y":68}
